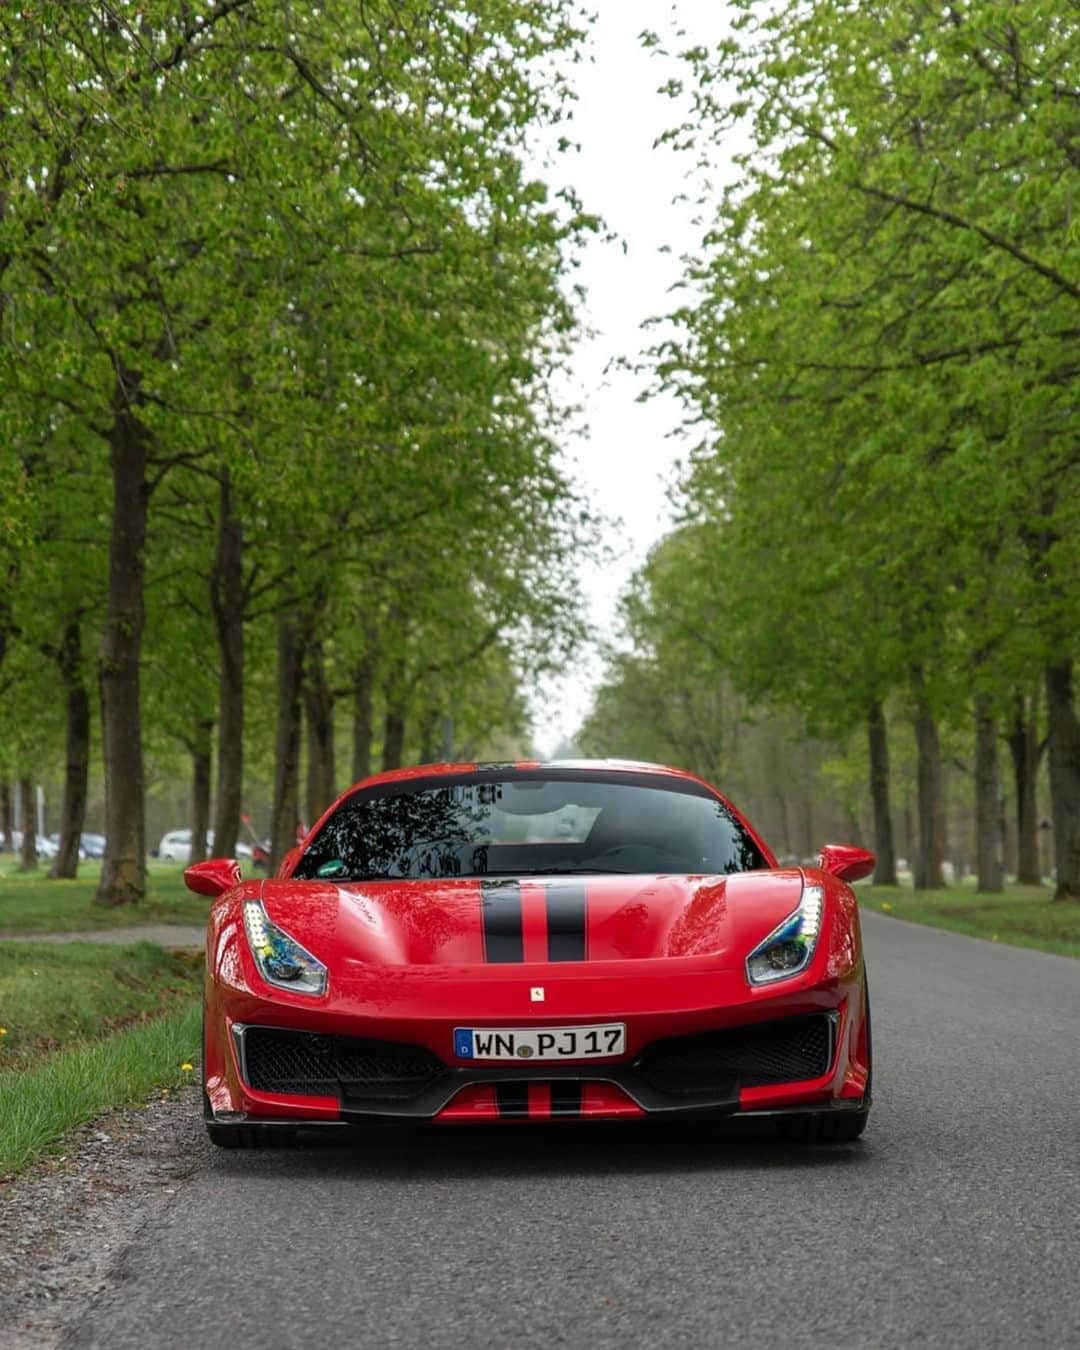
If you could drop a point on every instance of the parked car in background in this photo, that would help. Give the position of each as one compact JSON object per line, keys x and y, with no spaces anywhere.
{"x":175,"y":846}
{"x":54,"y":845}
{"x":46,"y":847}
{"x":93,"y":845}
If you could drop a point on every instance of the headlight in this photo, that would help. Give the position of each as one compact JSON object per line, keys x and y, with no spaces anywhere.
{"x":788,"y":949}
{"x":280,"y":958}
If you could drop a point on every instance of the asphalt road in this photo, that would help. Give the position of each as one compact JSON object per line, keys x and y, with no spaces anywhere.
{"x":954,"y":1222}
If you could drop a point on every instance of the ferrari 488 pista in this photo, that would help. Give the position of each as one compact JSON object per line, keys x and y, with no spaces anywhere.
{"x":586,"y":941}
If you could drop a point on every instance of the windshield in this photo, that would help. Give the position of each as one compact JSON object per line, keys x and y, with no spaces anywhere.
{"x":529,"y":824}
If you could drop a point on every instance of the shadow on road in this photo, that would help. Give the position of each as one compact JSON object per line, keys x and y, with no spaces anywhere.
{"x":459,"y":1154}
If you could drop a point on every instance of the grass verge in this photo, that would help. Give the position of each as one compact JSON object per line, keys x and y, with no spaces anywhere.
{"x":32,"y":903}
{"x":1022,"y":916}
{"x":54,"y":996}
{"x":39,"y":1105}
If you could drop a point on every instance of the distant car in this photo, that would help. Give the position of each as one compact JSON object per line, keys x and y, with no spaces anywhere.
{"x":46,"y":847}
{"x":176,"y":846}
{"x":93,"y":845}
{"x":54,"y":840}
{"x":465,"y":943}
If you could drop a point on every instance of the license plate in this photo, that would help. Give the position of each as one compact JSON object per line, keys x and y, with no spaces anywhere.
{"x":605,"y":1041}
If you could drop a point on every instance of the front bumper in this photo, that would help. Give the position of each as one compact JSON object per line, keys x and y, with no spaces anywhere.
{"x":784,"y":1064}
{"x":419,"y":1007}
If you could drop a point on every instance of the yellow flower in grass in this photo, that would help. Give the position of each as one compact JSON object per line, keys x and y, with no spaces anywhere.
{"x":3,"y":1031}
{"x":886,"y":906}
{"x":186,"y":1066}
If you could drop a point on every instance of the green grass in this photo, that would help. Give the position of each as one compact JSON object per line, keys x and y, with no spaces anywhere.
{"x":1022,"y":916}
{"x":54,"y":996}
{"x":31,"y":903}
{"x":39,"y":1105}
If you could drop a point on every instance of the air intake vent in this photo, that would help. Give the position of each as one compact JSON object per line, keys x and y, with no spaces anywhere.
{"x":335,"y":1066}
{"x":768,"y":1052}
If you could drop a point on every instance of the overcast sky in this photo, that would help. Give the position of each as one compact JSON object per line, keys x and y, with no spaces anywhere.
{"x":628,"y":458}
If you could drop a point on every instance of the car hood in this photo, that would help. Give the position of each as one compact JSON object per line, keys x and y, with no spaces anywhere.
{"x":471,"y":922}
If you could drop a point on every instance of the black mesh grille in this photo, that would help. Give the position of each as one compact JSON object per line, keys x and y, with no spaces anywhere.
{"x":770,"y":1052}
{"x":333,"y":1066}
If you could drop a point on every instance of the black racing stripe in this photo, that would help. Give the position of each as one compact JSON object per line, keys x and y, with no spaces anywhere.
{"x":512,"y":1100}
{"x":501,"y":906}
{"x":566,"y":920}
{"x":565,"y":1097}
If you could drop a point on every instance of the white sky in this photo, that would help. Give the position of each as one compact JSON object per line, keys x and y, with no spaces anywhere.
{"x":628,"y":456}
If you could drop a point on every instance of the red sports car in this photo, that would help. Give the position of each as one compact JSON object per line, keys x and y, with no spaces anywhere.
{"x":466,"y":943}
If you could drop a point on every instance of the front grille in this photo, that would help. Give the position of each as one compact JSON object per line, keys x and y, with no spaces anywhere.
{"x":336,"y":1066}
{"x":769,"y":1052}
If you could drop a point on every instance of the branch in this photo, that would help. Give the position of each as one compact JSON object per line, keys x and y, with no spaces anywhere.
{"x":941,"y":213}
{"x":996,"y":240}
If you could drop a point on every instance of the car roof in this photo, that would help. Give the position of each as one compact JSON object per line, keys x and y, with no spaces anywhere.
{"x":583,"y":766}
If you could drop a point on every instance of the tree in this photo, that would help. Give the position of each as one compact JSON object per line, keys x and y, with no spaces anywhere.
{"x":881,"y":349}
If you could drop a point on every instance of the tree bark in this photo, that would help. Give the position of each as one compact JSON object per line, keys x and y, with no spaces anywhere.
{"x":1064,"y":748}
{"x":884,"y":848}
{"x":363,"y":717}
{"x":287,"y":748}
{"x":395,"y":695}
{"x":393,"y":736}
{"x":5,"y":816}
{"x":69,"y":659}
{"x":429,"y":728}
{"x":1023,"y":742}
{"x":123,"y":871}
{"x":785,"y":830}
{"x":319,"y":718}
{"x":201,"y":761}
{"x":987,"y":800}
{"x":930,"y":849}
{"x":227,"y":601}
{"x":28,"y":851}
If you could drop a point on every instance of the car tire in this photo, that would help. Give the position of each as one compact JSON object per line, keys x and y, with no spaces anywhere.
{"x":835,"y":1127}
{"x":823,"y":1127}
{"x":249,"y":1136}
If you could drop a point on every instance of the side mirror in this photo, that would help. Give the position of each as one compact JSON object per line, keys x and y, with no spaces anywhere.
{"x":288,"y":863}
{"x":846,"y":862}
{"x":213,"y":877}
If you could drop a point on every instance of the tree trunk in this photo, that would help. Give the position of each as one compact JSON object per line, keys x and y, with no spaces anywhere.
{"x":394,"y":726}
{"x":395,"y":695}
{"x":363,"y":717}
{"x":319,"y":717}
{"x":810,"y":847}
{"x":1064,"y":746}
{"x":28,"y":852}
{"x":123,"y":871}
{"x":785,"y":830}
{"x":201,"y":761}
{"x":987,"y":800}
{"x":1024,"y":748}
{"x":77,"y":761}
{"x":287,"y":749}
{"x":5,"y":816}
{"x":930,"y":850}
{"x":429,"y":728}
{"x":884,"y":849}
{"x":227,"y":601}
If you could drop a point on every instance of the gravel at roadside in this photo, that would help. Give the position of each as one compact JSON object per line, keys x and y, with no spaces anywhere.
{"x":69,"y":1226}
